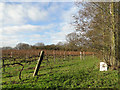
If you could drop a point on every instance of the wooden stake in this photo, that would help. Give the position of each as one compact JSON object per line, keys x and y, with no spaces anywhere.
{"x":83,"y":55}
{"x":54,"y":55}
{"x":11,"y":54}
{"x":3,"y":65}
{"x":38,"y":63}
{"x":64,"y":55}
{"x":80,"y":55}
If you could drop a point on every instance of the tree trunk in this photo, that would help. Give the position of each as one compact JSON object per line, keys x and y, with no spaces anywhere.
{"x":112,"y":31}
{"x":118,"y":36}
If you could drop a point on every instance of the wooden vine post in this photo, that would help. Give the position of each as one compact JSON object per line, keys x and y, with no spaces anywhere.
{"x":80,"y":55}
{"x":38,"y":63}
{"x":3,"y":65}
{"x":11,"y":55}
{"x":83,"y":55}
{"x":64,"y":55}
{"x":54,"y":55}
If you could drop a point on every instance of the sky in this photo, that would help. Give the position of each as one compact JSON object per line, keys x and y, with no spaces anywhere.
{"x":33,"y":22}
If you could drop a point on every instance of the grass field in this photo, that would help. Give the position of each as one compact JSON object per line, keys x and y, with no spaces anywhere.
{"x":62,"y":74}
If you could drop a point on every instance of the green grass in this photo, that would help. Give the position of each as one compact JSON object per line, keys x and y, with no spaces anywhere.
{"x":61,"y":74}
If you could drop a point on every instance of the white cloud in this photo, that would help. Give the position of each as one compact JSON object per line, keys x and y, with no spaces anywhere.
{"x":67,"y":15}
{"x":11,"y":35}
{"x":24,"y":28}
{"x":20,"y":14}
{"x":36,"y":14}
{"x":60,"y":36}
{"x":65,"y":27}
{"x":14,"y":36}
{"x":1,"y":11}
{"x":9,"y":40}
{"x":13,"y":14}
{"x":37,"y":38}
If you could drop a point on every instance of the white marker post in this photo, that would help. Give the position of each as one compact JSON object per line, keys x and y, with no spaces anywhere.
{"x":103,"y":66}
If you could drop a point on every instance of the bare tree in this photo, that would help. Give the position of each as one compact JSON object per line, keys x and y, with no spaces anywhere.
{"x":39,"y":44}
{"x":22,"y":46}
{"x":97,"y":24}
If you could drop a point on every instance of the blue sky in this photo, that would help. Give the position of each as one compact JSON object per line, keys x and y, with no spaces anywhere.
{"x":47,"y":22}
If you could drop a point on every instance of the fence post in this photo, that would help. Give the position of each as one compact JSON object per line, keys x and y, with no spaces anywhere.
{"x":3,"y":65}
{"x":54,"y":55}
{"x":60,"y":55}
{"x":38,"y":63}
{"x":80,"y":55}
{"x":64,"y":55}
{"x":69,"y":55}
{"x":93,"y":55}
{"x":11,"y":54}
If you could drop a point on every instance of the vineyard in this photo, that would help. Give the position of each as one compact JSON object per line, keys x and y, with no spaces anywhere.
{"x":59,"y":69}
{"x":9,"y":57}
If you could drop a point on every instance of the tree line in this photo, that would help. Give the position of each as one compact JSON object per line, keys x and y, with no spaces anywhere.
{"x":59,"y":46}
